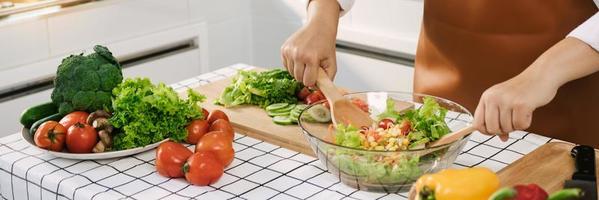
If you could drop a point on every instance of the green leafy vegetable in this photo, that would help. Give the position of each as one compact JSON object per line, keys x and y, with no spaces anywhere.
{"x":427,"y":122}
{"x":260,"y":88}
{"x":148,"y":113}
{"x":85,"y":82}
{"x":347,"y":135}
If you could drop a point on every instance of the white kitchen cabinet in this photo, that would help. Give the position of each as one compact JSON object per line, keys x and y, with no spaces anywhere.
{"x":12,"y":109}
{"x":365,"y":74}
{"x":169,"y":69}
{"x":107,"y":22}
{"x":21,"y":43}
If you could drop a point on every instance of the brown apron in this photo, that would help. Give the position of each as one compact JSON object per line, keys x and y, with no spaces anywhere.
{"x":467,"y":46}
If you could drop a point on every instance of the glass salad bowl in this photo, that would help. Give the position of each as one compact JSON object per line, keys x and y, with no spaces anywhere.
{"x":384,"y":170}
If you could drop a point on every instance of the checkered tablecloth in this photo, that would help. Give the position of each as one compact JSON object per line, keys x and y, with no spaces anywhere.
{"x":260,"y":170}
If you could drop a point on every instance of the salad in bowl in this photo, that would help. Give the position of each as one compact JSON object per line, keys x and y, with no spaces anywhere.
{"x":391,"y":154}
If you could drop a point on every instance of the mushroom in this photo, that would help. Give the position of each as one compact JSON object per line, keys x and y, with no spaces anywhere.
{"x":99,"y":148}
{"x":101,"y":123}
{"x":105,"y":138}
{"x":98,"y":114}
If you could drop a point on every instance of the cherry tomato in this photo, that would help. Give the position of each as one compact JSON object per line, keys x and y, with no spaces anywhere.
{"x":315,"y":97}
{"x":303,"y":93}
{"x":74,"y":117}
{"x":203,"y":168}
{"x":361,"y":104}
{"x":219,"y":144}
{"x":224,"y":126}
{"x":205,"y":113}
{"x":405,"y":127}
{"x":50,"y":135}
{"x":81,"y":138}
{"x":195,"y":130}
{"x":217,"y":114}
{"x":385,"y":123}
{"x":170,"y":158}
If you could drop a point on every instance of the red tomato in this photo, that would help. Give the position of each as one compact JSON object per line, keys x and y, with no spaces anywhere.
{"x":219,"y":144}
{"x":405,"y":127}
{"x":385,"y":123}
{"x":205,"y":113}
{"x":303,"y":93}
{"x":217,"y":114}
{"x":50,"y":135}
{"x":361,"y":104}
{"x":195,"y":130}
{"x":224,"y":126}
{"x":203,"y":168}
{"x":530,"y":192}
{"x":315,"y":97}
{"x":170,"y":158}
{"x":81,"y":138}
{"x":74,"y":117}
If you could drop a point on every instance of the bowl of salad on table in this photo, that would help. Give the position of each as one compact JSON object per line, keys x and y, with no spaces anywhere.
{"x":392,"y":153}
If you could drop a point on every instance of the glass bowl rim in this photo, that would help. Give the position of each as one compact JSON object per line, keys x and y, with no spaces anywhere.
{"x":384,"y":151}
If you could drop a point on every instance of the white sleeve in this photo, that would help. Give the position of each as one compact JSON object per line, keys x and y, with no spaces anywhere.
{"x":344,"y":4}
{"x":588,"y":32}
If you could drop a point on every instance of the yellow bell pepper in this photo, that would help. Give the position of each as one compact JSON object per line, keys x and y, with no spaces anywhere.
{"x":459,"y":184}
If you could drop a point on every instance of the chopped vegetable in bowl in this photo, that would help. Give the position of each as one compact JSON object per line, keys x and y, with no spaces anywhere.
{"x":391,"y":154}
{"x":397,"y":131}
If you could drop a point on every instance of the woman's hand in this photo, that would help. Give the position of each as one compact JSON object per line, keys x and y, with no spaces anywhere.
{"x":313,"y":45}
{"x":509,"y":106}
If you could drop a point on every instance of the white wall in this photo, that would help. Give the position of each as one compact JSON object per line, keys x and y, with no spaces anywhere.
{"x":387,"y":24}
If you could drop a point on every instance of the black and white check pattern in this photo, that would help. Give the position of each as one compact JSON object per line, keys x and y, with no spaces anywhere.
{"x":260,"y":170}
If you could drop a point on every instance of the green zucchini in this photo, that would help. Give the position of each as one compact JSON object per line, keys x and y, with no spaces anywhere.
{"x":36,"y":125}
{"x":35,"y":113}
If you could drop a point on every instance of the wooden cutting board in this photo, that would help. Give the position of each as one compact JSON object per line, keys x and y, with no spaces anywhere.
{"x":549,"y":166}
{"x":254,"y":122}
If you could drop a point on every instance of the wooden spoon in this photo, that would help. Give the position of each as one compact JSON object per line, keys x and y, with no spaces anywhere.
{"x":342,"y":110}
{"x":449,"y":138}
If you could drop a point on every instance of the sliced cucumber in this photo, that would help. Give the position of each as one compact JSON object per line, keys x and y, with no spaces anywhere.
{"x":272,"y":114}
{"x":276,"y":106}
{"x":282,"y":120}
{"x":287,"y":108}
{"x":297,"y":110}
{"x":319,"y":113}
{"x":300,"y":107}
{"x":294,"y":114}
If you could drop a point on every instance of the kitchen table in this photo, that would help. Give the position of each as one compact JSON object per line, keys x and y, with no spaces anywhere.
{"x":260,"y":170}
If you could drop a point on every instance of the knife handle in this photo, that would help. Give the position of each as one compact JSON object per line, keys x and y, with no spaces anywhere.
{"x":584,"y":157}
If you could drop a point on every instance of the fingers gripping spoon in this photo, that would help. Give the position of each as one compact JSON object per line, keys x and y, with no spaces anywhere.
{"x":342,"y":110}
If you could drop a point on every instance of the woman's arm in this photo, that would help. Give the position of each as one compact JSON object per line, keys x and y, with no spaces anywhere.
{"x":508,"y":106}
{"x":313,"y":45}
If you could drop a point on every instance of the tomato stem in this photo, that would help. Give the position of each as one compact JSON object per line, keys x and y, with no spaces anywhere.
{"x":185,"y":168}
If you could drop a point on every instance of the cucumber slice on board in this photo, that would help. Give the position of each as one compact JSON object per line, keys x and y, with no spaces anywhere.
{"x":319,"y":113}
{"x":276,"y":113}
{"x":287,"y":108}
{"x":282,"y":120}
{"x":276,"y":106}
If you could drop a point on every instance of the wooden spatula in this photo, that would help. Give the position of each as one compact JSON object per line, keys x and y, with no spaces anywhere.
{"x":450,"y":137}
{"x":342,"y":110}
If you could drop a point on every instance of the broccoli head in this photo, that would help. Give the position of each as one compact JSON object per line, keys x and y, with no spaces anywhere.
{"x":85,"y":82}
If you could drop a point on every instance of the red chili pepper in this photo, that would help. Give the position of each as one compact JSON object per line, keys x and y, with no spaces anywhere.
{"x":530,"y":192}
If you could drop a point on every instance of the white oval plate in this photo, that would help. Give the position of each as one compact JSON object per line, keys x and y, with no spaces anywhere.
{"x":91,"y":156}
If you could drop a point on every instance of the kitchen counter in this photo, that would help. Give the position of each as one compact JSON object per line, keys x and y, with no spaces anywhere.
{"x":260,"y":170}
